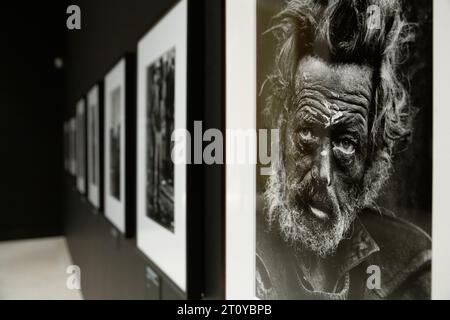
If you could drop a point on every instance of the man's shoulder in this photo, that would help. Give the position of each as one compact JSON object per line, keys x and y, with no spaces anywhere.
{"x":405,"y":253}
{"x":395,"y":232}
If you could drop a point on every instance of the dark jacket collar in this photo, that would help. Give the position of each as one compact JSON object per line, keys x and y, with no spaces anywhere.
{"x":352,"y":251}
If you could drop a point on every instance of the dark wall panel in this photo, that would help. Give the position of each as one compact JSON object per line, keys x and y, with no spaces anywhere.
{"x":31,"y":99}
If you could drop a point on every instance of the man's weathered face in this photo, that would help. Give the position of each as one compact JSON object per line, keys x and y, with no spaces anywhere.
{"x":325,"y":150}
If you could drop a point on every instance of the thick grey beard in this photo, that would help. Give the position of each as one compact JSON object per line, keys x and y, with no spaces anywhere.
{"x":301,"y":231}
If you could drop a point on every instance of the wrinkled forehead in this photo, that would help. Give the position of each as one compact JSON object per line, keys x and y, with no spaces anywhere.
{"x":347,"y":79}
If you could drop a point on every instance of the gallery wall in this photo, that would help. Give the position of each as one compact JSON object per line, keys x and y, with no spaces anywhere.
{"x":31,"y":95}
{"x":112,"y":267}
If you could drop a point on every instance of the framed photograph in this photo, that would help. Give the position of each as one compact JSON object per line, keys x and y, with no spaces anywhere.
{"x":94,"y":99}
{"x":72,"y":131}
{"x":66,"y":137}
{"x":81,"y":145}
{"x":68,"y":146}
{"x":162,"y":108}
{"x":335,"y":198}
{"x":119,"y":147}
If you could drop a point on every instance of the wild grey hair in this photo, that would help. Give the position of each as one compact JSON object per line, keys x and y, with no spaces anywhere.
{"x":343,"y":31}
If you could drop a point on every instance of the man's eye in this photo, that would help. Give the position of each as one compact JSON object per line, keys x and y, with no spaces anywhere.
{"x":306,"y":134}
{"x":346,"y":146}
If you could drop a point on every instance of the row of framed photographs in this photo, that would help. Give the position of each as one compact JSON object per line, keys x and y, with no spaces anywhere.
{"x":119,"y":147}
{"x":259,"y":264}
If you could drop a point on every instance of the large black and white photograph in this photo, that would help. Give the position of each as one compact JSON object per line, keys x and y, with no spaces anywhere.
{"x":114,"y":138}
{"x":160,"y":125}
{"x":346,"y":212}
{"x":161,"y":111}
{"x":115,"y":130}
{"x":93,"y":131}
{"x":81,"y":145}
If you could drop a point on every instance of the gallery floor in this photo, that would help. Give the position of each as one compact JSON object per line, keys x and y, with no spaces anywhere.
{"x":35,"y":269}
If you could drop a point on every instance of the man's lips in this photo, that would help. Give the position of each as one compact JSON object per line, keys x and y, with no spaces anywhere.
{"x":319,"y":205}
{"x":319,"y":214}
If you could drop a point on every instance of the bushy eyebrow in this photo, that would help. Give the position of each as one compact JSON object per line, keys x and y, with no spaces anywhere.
{"x":354,"y":125}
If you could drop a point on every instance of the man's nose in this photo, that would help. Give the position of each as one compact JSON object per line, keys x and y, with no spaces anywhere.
{"x":324,"y":165}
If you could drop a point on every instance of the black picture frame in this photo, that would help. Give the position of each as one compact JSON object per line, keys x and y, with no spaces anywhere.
{"x":129,"y":143}
{"x":100,"y":207}
{"x":194,"y":186}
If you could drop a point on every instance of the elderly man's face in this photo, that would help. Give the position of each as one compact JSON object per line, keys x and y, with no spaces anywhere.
{"x":326,"y":150}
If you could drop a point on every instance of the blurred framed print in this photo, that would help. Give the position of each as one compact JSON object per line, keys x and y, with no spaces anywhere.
{"x":335,"y":200}
{"x":161,"y":109}
{"x":66,"y":136}
{"x":81,"y":145}
{"x":119,"y":145}
{"x":93,"y":142}
{"x":72,"y":129}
